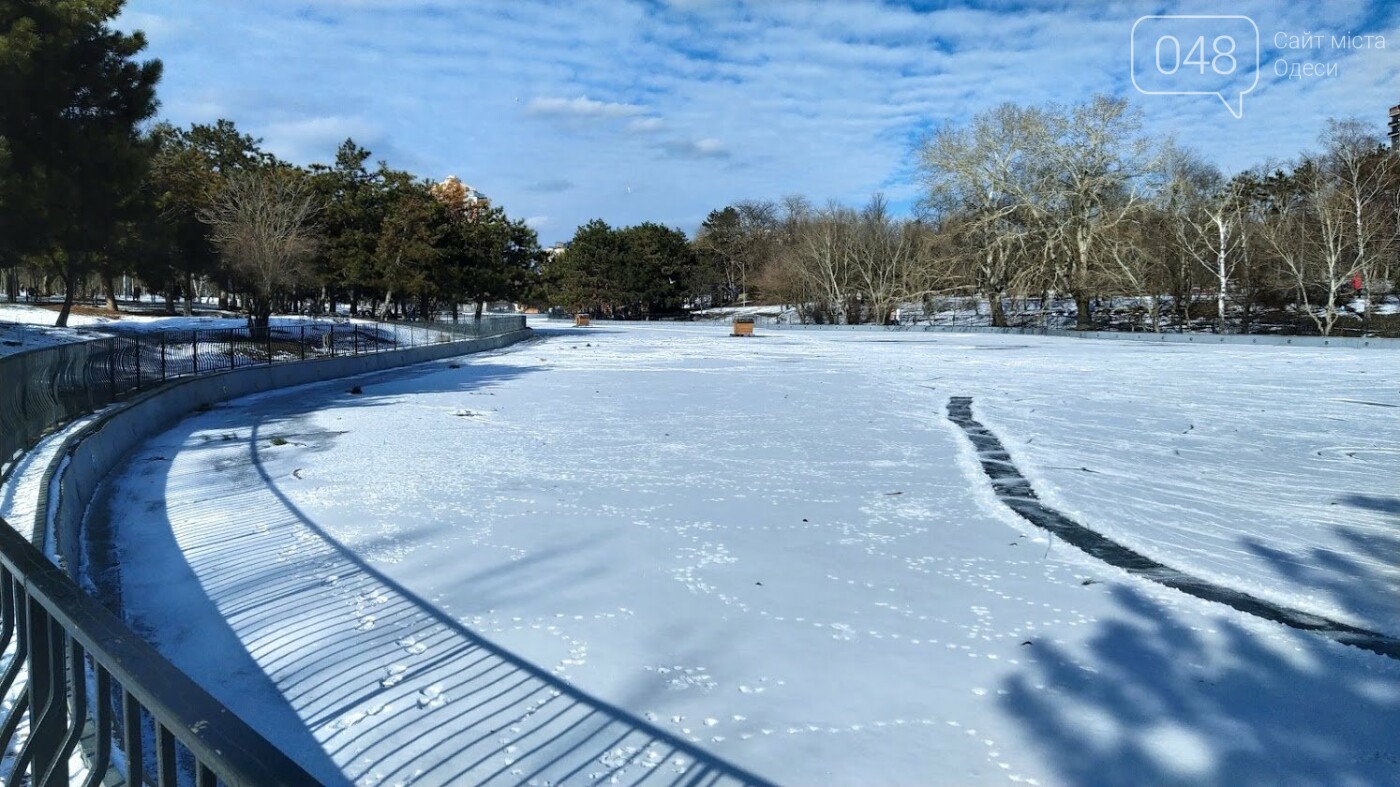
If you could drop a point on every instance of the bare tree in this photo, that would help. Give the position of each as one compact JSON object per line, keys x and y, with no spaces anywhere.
{"x":986,"y":173}
{"x":823,"y":252}
{"x":1206,"y":214}
{"x":1096,"y":161}
{"x":264,"y":226}
{"x":1362,"y":168}
{"x":1308,"y":230}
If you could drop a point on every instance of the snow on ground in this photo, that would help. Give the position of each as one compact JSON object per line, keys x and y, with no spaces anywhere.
{"x":30,"y":328}
{"x":24,"y":327}
{"x":657,"y":554}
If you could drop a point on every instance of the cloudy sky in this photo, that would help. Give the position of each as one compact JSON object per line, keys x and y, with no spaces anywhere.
{"x":632,"y":111}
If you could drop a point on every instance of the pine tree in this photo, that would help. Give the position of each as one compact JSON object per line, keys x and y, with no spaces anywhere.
{"x":72,"y":98}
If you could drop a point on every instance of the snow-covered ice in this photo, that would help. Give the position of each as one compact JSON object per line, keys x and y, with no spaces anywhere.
{"x":655,"y":553}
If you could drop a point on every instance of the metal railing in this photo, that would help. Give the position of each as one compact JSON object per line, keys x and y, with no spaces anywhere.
{"x":87,"y":678}
{"x":74,"y":673}
{"x":41,"y":390}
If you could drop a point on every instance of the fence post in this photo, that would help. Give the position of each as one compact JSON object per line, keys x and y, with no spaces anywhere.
{"x":112,"y":368}
{"x":303,"y":342}
{"x":48,"y":684}
{"x":162,"y":356}
{"x":194,"y":350}
{"x":332,"y":341}
{"x":138,"y":361}
{"x":232,"y":344}
{"x":269,"y":342}
{"x":355,"y":339}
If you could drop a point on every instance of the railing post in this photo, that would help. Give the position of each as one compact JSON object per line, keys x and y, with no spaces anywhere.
{"x":101,"y":756}
{"x":355,"y":339}
{"x":138,"y":361}
{"x":194,"y":351}
{"x":131,"y":739}
{"x":112,"y":368}
{"x":232,"y":343}
{"x":303,"y":342}
{"x":332,"y":341}
{"x":48,"y":682}
{"x":269,"y":342}
{"x":162,"y":356}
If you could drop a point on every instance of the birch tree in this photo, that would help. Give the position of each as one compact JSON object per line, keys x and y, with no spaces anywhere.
{"x":1206,"y":213}
{"x":1363,"y":169}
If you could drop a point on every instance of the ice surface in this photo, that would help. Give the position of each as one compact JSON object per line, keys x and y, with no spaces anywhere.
{"x":651,"y":550}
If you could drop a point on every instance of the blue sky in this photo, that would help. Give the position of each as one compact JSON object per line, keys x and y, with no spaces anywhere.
{"x":633,"y":111}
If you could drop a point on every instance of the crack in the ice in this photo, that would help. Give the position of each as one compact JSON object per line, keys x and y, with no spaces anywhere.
{"x":1016,"y":493}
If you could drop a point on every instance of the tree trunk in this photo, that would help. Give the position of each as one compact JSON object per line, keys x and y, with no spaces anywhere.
{"x":1082,"y":320}
{"x":70,"y":289}
{"x":998,"y":311}
{"x":480,"y":307}
{"x":1222,"y":275}
{"x":109,"y":288}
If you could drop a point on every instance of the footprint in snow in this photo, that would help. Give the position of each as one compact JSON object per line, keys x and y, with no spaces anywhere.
{"x":350,"y":719}
{"x":432,"y":697}
{"x":396,"y":675}
{"x":411,"y":645}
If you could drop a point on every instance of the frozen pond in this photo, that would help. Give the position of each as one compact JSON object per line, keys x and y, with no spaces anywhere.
{"x":658,"y":554}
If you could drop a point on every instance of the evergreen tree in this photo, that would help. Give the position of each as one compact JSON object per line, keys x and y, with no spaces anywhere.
{"x":72,"y":98}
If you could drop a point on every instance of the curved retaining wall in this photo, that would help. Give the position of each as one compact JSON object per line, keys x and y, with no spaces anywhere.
{"x":89,"y":455}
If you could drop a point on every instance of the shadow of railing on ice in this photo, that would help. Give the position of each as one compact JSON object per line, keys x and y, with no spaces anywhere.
{"x":390,"y":685}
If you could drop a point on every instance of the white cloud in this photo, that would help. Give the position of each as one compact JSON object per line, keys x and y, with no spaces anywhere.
{"x":736,"y":100}
{"x":316,"y":138}
{"x":645,"y":125}
{"x":155,"y":26}
{"x":581,"y":107}
{"x":695,"y":149}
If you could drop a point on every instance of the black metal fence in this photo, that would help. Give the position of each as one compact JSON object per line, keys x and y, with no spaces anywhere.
{"x":84,"y":678}
{"x":44,"y":389}
{"x":75,"y":674}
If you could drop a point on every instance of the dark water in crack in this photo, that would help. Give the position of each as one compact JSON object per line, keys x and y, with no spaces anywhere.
{"x":1016,"y":493}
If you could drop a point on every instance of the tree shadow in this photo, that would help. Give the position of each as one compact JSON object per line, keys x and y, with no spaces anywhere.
{"x":355,"y":676}
{"x":1363,"y":580}
{"x":1166,"y":704}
